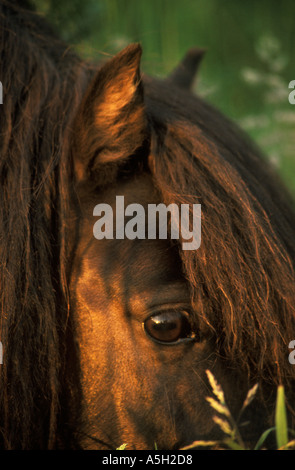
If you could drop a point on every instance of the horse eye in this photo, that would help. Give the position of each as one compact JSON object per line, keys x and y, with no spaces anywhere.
{"x":169,"y":327}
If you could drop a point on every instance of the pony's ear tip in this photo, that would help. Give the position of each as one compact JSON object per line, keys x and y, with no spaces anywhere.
{"x":136,"y":47}
{"x":196,"y":52}
{"x":128,"y":58}
{"x":184,"y":74}
{"x":193,"y":57}
{"x":134,"y":51}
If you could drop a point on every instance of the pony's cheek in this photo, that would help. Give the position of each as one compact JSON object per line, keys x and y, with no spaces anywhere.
{"x":129,"y":384}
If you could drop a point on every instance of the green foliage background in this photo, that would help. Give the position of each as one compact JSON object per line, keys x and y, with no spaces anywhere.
{"x":245,"y":73}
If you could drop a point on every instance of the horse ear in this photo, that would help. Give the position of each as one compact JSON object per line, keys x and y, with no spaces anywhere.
{"x":184,"y":74}
{"x":111,"y":123}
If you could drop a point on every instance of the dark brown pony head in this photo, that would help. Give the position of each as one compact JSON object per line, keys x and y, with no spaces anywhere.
{"x":108,"y":341}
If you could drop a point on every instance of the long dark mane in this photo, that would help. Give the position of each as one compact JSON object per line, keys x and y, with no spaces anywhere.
{"x":241,"y":279}
{"x":43,"y":83}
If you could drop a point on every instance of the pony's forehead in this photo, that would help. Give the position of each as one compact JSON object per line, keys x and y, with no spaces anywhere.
{"x":137,"y":187}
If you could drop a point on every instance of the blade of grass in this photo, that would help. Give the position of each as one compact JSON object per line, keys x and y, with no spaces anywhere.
{"x":263,"y":438}
{"x":281,"y":418}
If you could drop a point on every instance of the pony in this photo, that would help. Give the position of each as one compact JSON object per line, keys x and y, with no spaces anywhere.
{"x":108,"y":341}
